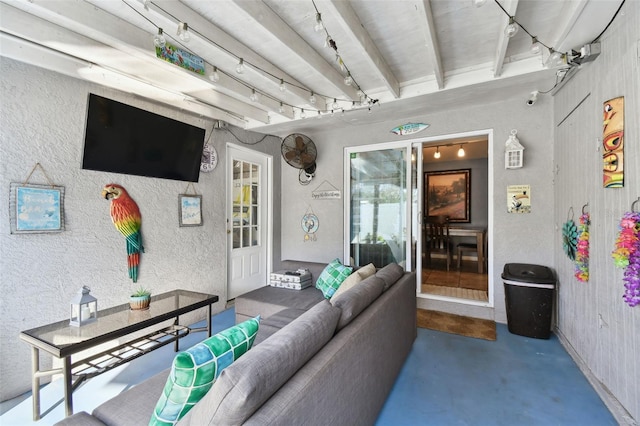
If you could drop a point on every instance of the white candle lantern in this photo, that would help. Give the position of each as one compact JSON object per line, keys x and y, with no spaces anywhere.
{"x":84,"y":308}
{"x":513,"y":152}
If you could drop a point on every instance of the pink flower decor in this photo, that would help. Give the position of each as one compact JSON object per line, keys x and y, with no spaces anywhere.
{"x":627,"y":255}
{"x":582,"y":249}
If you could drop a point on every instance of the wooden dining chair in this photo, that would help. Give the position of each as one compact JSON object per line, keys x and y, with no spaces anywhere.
{"x":437,"y":238}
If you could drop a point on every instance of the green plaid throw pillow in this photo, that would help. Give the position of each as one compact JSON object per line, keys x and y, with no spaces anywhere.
{"x":194,"y":371}
{"x":331,"y":278}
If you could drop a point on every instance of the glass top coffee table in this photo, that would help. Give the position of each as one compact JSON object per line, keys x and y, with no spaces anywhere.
{"x":62,"y":340}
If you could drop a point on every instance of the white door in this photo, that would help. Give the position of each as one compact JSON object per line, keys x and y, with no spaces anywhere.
{"x":249,"y":183}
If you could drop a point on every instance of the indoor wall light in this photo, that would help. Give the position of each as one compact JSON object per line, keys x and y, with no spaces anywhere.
{"x":183,"y":32}
{"x":159,"y":40}
{"x":436,"y":154}
{"x":512,"y":28}
{"x":461,"y":151}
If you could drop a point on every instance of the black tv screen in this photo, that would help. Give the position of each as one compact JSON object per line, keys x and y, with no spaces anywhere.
{"x":120,"y":138}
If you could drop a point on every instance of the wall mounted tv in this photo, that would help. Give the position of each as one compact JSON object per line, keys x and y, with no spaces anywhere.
{"x":120,"y":138}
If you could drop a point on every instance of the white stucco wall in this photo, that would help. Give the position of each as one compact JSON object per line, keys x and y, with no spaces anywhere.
{"x":526,"y":238}
{"x":43,"y":120}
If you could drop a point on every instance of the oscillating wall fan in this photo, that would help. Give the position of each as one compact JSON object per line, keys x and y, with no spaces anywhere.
{"x":299,"y":151}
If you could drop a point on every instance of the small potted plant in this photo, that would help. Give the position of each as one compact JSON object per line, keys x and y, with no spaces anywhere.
{"x":140,"y":299}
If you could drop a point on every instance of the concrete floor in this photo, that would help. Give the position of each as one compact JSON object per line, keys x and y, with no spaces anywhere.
{"x":447,"y":380}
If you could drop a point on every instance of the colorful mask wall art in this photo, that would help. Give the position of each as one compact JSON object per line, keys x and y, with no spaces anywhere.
{"x":613,"y":143}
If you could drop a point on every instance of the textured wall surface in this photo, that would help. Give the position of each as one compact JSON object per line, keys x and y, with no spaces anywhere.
{"x":593,"y":317}
{"x":517,"y":238}
{"x":43,"y":120}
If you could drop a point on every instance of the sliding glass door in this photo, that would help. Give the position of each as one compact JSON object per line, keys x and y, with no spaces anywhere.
{"x":378,"y":212}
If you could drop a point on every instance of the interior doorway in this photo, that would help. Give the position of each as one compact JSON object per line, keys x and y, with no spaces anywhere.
{"x":453,"y":179}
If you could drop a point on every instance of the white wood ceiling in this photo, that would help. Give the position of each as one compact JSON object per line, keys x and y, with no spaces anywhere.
{"x":409,"y":55}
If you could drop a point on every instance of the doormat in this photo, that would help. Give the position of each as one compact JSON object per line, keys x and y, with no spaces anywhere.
{"x":457,"y":324}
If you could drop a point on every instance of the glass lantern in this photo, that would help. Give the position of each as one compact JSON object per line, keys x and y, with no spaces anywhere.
{"x":84,"y":308}
{"x":513,"y":152}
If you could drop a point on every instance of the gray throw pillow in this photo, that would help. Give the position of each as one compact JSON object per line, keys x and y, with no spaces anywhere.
{"x":357,"y":298}
{"x":390,"y":274}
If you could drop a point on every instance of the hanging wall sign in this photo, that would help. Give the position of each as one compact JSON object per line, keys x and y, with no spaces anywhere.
{"x":326,"y":191}
{"x":612,"y":143}
{"x":181,"y":58}
{"x":409,"y":128}
{"x":519,"y":199}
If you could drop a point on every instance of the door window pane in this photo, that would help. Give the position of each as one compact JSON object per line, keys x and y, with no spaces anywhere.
{"x":246,"y":221}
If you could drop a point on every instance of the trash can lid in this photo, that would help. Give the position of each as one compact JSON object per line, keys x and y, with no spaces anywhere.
{"x":526,"y":273}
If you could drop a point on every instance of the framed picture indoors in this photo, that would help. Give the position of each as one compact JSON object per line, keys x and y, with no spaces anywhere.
{"x":448,"y":193}
{"x":36,"y":208}
{"x":190,"y":207}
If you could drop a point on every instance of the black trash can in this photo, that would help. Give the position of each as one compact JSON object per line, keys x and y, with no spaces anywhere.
{"x":528,"y":294}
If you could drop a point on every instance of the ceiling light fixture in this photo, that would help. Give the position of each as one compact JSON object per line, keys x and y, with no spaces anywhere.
{"x":348,"y":80}
{"x":512,"y":28}
{"x":159,"y":40}
{"x":302,"y":113}
{"x":283,"y":87}
{"x":461,"y":151}
{"x":240,"y":67}
{"x":436,"y":154}
{"x":214,"y":76}
{"x":183,"y":32}
{"x":254,"y":95}
{"x":335,"y":104}
{"x":536,"y":47}
{"x":312,"y":99}
{"x":281,"y":109}
{"x":319,"y":26}
{"x":319,"y":115}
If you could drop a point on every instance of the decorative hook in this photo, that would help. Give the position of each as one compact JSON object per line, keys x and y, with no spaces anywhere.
{"x":633,"y":205}
{"x":570,"y":214}
{"x":584,"y":207}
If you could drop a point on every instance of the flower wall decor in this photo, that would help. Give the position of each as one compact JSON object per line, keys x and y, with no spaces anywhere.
{"x":570,"y":238}
{"x":582,"y":249}
{"x":627,"y":255}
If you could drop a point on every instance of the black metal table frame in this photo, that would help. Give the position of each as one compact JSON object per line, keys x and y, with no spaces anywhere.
{"x":104,"y":361}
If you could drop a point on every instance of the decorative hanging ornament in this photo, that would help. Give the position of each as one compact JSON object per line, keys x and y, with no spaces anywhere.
{"x":627,"y":255}
{"x":310,"y":225}
{"x":570,"y":237}
{"x":582,"y":254}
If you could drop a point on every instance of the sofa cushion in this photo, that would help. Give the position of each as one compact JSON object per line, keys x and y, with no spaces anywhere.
{"x":266,"y":301}
{"x":332,"y":276}
{"x":275,"y":322}
{"x":193,"y":371}
{"x":357,"y":298}
{"x":390,"y":274}
{"x":243,"y":387}
{"x":356,"y":277}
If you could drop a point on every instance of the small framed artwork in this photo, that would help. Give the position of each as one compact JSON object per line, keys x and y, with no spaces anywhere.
{"x":36,"y":208}
{"x":190,"y":209}
{"x":448,"y":194}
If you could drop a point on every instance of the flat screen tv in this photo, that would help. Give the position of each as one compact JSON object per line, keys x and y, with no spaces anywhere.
{"x":120,"y":138}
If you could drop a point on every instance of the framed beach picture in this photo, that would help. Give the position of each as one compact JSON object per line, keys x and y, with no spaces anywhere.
{"x":190,"y":209}
{"x":36,"y":208}
{"x":448,"y":193}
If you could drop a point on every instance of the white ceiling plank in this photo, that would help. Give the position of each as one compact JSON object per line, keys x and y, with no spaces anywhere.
{"x":431,"y":40}
{"x":264,"y":17}
{"x":564,"y":25}
{"x":129,"y":58}
{"x":503,"y":41}
{"x":348,"y":20}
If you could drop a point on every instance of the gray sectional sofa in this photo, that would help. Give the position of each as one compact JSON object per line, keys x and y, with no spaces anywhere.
{"x":314,"y":361}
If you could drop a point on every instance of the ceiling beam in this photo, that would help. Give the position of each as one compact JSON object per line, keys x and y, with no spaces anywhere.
{"x":503,"y":41}
{"x":266,"y":18}
{"x":431,"y":40}
{"x":571,"y":12}
{"x":351,"y":25}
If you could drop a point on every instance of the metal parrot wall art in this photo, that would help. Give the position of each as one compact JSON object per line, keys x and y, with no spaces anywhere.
{"x":125,"y":215}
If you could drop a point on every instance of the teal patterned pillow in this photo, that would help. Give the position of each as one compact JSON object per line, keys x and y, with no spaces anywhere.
{"x":331,"y":278}
{"x":194,"y":371}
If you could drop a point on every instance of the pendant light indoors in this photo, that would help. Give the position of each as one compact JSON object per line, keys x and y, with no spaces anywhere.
{"x":159,"y":40}
{"x":461,"y":151}
{"x":312,"y":99}
{"x":303,"y":114}
{"x":536,"y":47}
{"x":318,"y":26}
{"x":183,"y":32}
{"x":283,"y":87}
{"x":240,"y":66}
{"x":436,"y":154}
{"x":348,"y":80}
{"x":511,"y":29}
{"x":335,"y":104}
{"x":254,"y":95}
{"x":281,"y":109}
{"x":214,"y":76}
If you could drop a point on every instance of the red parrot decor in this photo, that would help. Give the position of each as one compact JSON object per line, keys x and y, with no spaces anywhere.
{"x":126,"y":217}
